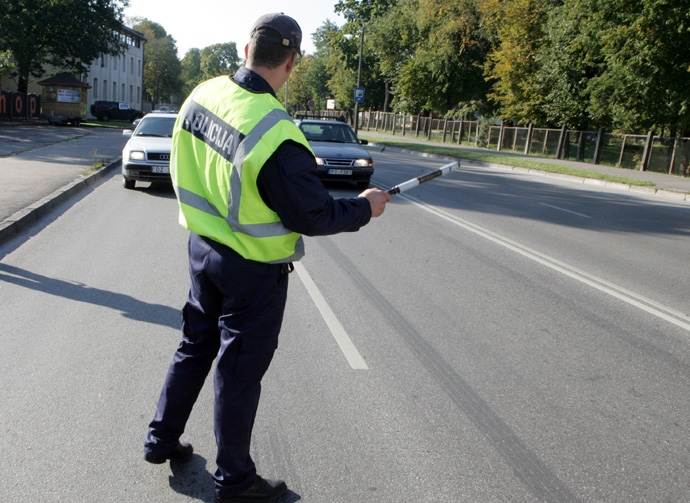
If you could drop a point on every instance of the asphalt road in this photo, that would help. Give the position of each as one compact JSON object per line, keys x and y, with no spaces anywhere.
{"x":494,"y":337}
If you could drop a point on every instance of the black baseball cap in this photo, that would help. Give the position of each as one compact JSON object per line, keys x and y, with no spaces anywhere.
{"x":283,"y":30}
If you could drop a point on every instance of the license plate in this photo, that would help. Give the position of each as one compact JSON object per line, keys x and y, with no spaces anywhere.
{"x":161,"y":169}
{"x":339,"y":171}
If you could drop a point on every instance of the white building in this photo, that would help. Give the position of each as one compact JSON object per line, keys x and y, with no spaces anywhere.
{"x":119,"y":78}
{"x":112,"y":78}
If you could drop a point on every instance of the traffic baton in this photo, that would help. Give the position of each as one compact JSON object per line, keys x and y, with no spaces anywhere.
{"x":414,"y":182}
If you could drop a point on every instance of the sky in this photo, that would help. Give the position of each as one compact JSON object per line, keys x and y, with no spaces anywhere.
{"x":200,"y":23}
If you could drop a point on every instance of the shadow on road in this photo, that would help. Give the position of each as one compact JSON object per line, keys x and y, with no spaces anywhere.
{"x":528,"y":198}
{"x":194,"y":480}
{"x":130,"y":307}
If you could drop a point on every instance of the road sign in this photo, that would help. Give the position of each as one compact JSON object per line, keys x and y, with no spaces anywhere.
{"x":359,"y":95}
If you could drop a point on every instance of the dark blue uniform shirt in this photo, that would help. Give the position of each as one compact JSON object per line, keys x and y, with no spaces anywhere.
{"x":289,"y":185}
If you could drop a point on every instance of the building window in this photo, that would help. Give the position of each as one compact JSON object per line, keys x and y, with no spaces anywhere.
{"x":105,"y":89}
{"x":131,"y":94}
{"x":114,"y":90}
{"x":131,"y":65}
{"x":95,"y":88}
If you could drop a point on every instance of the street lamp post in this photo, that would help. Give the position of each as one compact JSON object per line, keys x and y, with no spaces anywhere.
{"x":359,"y":76}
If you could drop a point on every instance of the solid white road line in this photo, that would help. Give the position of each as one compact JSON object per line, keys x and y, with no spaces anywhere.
{"x":567,"y":211}
{"x":346,"y":346}
{"x":652,"y":307}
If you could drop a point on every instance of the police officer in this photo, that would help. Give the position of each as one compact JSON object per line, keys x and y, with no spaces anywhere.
{"x":247,"y":188}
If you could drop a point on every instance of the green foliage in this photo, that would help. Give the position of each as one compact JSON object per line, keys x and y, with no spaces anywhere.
{"x":515,"y":30}
{"x":585,"y":64}
{"x":199,"y":65}
{"x":190,"y":68}
{"x":308,"y":82}
{"x":570,"y":57}
{"x":219,"y":59}
{"x":162,"y":69}
{"x":67,"y":33}
{"x":6,"y":63}
{"x":646,"y":54}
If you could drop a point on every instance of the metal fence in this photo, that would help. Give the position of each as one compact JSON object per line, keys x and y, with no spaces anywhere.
{"x":641,"y":152}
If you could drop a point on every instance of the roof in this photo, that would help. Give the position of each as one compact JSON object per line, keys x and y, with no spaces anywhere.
{"x":161,"y":114}
{"x":321,"y":121}
{"x":65,"y":79}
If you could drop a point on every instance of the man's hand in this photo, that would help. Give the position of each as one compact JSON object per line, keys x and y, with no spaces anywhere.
{"x":377,"y":199}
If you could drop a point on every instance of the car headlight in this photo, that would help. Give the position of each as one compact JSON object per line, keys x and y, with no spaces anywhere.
{"x":137,"y":155}
{"x":319,"y":161}
{"x":364,"y":162}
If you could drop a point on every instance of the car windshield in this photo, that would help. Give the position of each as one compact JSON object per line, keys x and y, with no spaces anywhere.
{"x":156,"y":126}
{"x":336,"y":132}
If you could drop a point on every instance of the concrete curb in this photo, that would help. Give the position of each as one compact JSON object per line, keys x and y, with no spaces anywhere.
{"x":661,"y":192}
{"x":23,"y":219}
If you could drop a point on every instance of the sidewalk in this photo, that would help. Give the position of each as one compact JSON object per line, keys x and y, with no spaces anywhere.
{"x":42,"y":166}
{"x":667,"y":186}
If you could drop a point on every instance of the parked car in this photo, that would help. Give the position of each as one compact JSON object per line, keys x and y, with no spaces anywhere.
{"x":106,"y":110}
{"x":339,"y":153}
{"x":146,"y":155}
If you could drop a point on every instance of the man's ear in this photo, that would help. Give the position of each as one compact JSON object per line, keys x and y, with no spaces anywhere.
{"x":290,"y":65}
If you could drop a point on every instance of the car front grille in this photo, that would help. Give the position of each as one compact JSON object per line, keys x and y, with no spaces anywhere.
{"x":158,"y":156}
{"x":338,"y":162}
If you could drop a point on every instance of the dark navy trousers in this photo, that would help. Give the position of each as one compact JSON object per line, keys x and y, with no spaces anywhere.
{"x":233,"y":314}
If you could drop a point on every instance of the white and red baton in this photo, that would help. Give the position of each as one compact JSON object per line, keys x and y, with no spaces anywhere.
{"x":414,"y":182}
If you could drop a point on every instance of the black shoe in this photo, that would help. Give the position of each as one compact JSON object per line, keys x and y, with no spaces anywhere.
{"x":262,"y":491}
{"x":182,"y":452}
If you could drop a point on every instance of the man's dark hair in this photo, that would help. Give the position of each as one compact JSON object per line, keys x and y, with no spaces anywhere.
{"x":267,"y":54}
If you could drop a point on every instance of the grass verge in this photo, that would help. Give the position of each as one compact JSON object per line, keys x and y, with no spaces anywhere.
{"x":520,"y":162}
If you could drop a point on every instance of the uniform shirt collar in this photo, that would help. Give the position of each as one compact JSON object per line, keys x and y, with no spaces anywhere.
{"x":252,"y":81}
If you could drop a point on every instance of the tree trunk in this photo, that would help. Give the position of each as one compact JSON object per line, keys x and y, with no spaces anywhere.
{"x":685,"y":157}
{"x":385,"y":98}
{"x":23,"y":85}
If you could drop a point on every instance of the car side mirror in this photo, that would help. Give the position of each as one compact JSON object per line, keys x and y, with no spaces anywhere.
{"x":127,"y":132}
{"x":364,"y":142}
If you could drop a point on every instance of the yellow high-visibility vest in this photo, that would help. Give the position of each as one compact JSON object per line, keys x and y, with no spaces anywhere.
{"x":223,"y":136}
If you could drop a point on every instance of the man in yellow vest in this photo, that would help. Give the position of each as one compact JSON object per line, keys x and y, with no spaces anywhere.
{"x":247,"y":188}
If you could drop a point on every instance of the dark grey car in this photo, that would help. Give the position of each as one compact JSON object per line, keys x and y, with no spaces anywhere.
{"x":339,"y":153}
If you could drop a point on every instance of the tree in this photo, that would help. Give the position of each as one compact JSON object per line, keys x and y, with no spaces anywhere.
{"x":161,"y":67}
{"x":199,"y":65}
{"x":336,"y":67}
{"x":569,"y":59}
{"x":646,"y":51}
{"x":190,"y":71}
{"x":162,"y":70}
{"x":516,"y":30}
{"x":392,"y":37}
{"x":623,"y":68}
{"x":219,"y":59}
{"x":448,"y":49}
{"x":68,"y":34}
{"x":308,"y":82}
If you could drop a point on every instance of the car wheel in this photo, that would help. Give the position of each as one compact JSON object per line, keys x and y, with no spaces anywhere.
{"x":104,"y":118}
{"x":127,"y":183}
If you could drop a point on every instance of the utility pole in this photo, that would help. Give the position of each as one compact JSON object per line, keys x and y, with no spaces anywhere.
{"x":359,"y":76}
